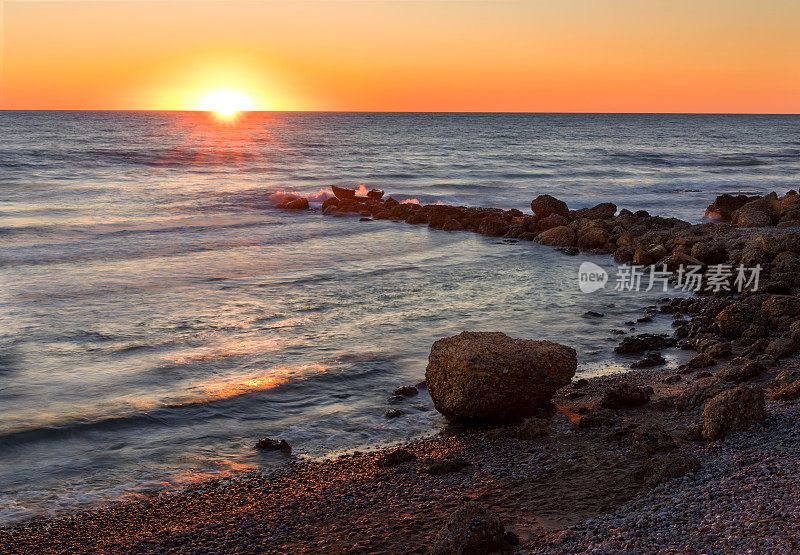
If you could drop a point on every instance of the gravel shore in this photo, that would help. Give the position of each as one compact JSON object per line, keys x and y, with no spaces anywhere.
{"x":575,"y":489}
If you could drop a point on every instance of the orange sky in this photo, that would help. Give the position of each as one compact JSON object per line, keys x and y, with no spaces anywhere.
{"x":535,"y":55}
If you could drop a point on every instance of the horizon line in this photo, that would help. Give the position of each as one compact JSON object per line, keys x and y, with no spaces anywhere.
{"x":403,"y":112}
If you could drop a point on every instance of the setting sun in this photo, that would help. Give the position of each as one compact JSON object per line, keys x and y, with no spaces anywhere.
{"x":225,"y":102}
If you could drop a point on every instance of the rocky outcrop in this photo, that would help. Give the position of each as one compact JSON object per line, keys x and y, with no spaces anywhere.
{"x":731,"y":410}
{"x":478,"y":377}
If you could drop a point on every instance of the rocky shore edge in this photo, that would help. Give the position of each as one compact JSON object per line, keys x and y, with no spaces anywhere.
{"x":702,"y":457}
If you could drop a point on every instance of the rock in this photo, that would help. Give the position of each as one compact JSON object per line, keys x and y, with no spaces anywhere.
{"x":644,"y":342}
{"x":561,"y":236}
{"x":296,"y":204}
{"x":645,"y":257}
{"x":780,"y":348}
{"x":645,"y":441}
{"x":675,"y":378}
{"x":781,"y":306}
{"x":788,"y":392}
{"x":602,"y":211}
{"x":395,"y":399}
{"x":667,"y":467}
{"x":333,"y":201}
{"x":551,"y":221}
{"x":592,"y":238}
{"x":269,"y":444}
{"x":417,"y":217}
{"x":698,"y":394}
{"x":452,"y":225}
{"x":393,"y":413}
{"x":741,"y":370}
{"x":446,"y":466}
{"x":490,"y":377}
{"x":544,"y":205}
{"x":719,"y":350}
{"x":599,"y":417}
{"x":731,"y":410}
{"x":735,"y":318}
{"x":623,"y":255}
{"x":709,"y":252}
{"x":785,"y":378}
{"x":472,"y":529}
{"x":703,"y":360}
{"x":751,"y":217}
{"x":493,"y":226}
{"x":406,"y":390}
{"x":593,"y":314}
{"x":624,"y":396}
{"x":398,"y":456}
{"x":723,"y":207}
{"x":678,"y":259}
{"x":532,"y":428}
{"x":650,"y":360}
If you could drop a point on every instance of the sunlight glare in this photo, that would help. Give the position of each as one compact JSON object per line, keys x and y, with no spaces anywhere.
{"x":225,"y":103}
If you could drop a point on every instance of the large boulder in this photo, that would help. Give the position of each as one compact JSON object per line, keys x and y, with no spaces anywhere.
{"x":731,"y":410}
{"x":471,"y":530}
{"x":478,"y":377}
{"x":544,"y":205}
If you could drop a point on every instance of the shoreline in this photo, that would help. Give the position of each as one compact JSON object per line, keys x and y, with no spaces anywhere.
{"x":551,"y":491}
{"x":545,"y":489}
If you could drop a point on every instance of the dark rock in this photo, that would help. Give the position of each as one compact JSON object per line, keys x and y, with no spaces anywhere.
{"x":473,"y":529}
{"x":667,"y":467}
{"x":624,"y":396}
{"x":446,"y":466}
{"x":644,"y":342}
{"x":269,"y":444}
{"x":398,"y":456}
{"x":599,"y":417}
{"x":645,"y":441}
{"x":406,"y":390}
{"x":593,"y":314}
{"x":393,"y":413}
{"x":650,"y":360}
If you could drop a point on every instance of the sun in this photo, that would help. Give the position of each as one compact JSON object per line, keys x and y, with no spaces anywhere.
{"x":225,"y":103}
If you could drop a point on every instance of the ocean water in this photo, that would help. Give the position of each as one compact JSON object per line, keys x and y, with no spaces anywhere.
{"x":158,"y":315}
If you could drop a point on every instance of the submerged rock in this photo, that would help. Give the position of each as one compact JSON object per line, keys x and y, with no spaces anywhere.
{"x":489,"y":377}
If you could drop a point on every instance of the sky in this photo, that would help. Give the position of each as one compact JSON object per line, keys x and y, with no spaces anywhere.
{"x":732,"y":56}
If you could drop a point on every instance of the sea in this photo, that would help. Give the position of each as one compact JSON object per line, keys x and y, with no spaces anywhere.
{"x":158,"y":314}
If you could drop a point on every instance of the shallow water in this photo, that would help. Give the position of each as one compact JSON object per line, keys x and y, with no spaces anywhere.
{"x":158,"y":315}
